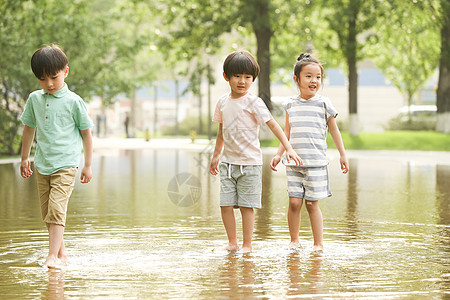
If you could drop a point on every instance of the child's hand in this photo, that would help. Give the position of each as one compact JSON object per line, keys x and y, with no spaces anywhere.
{"x":25,"y":168}
{"x":274,"y":162}
{"x":213,"y":166}
{"x":86,"y":175}
{"x":291,"y":154}
{"x":344,"y":164}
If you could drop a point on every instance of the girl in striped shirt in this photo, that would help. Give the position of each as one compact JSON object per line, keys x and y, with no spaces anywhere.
{"x":308,"y":117}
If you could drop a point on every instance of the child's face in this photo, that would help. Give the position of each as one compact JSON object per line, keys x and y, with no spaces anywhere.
{"x":54,"y":83}
{"x":239,"y":84}
{"x":309,"y":80}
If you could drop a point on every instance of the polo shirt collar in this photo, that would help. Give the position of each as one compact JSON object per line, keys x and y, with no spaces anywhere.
{"x":61,"y":93}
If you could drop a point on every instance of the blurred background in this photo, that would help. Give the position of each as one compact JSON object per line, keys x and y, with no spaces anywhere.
{"x":153,"y":67}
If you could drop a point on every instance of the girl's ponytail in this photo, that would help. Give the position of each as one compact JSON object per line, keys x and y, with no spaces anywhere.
{"x":304,"y":59}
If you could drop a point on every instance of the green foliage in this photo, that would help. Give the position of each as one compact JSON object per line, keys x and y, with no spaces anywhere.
{"x":294,"y":26}
{"x":67,"y":23}
{"x":135,"y":58}
{"x":406,"y":46}
{"x":107,"y":44}
{"x":347,"y":27}
{"x":443,"y":91}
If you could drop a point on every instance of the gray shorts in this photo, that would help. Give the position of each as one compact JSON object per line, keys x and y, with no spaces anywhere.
{"x":240,"y":185}
{"x":308,"y":183}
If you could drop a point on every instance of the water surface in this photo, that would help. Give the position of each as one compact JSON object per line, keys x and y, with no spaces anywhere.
{"x":386,"y":232}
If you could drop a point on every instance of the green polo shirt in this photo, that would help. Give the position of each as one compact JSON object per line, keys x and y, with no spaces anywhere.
{"x":58,"y":119}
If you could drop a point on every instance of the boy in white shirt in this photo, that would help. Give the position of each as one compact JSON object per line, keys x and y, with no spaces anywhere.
{"x":239,"y":114}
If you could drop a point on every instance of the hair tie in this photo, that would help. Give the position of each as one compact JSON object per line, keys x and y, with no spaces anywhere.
{"x":304,"y":56}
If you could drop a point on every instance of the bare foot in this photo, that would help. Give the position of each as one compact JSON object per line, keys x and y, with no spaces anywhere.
{"x":228,"y":247}
{"x":50,"y":262}
{"x":294,"y":245}
{"x":64,"y":259}
{"x":245,"y":250}
{"x":318,"y":248}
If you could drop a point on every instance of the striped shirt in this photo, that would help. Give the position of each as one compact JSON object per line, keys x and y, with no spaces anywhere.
{"x":308,"y":121}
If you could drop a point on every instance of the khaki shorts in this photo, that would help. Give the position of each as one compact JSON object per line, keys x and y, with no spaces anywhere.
{"x":54,"y":193}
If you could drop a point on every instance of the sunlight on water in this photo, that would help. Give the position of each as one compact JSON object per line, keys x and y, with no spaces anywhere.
{"x":386,"y":232}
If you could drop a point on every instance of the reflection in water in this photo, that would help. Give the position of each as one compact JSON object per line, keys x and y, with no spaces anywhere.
{"x":352,"y":200}
{"x":305,"y":277}
{"x":55,"y":287}
{"x":263,"y":226}
{"x":126,"y":239}
{"x":443,"y":196}
{"x":443,"y":208}
{"x":237,"y":276}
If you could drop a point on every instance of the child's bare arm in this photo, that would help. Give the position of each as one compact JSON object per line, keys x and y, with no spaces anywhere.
{"x":27,"y":140}
{"x":219,"y":146}
{"x":277,"y":158}
{"x":337,"y":138}
{"x":285,"y":145}
{"x":86,"y":172}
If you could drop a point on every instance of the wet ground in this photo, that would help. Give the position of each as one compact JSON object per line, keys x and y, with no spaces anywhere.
{"x":145,"y":226}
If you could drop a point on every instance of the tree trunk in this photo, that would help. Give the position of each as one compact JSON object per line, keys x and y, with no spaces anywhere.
{"x":263,"y":32}
{"x":209,"y":102}
{"x":155,"y":109}
{"x":133,"y":117}
{"x":177,"y":107}
{"x":200,"y":121}
{"x":352,"y":75}
{"x":443,"y":91}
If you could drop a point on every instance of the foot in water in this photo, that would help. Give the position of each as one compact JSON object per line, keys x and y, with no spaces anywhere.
{"x":50,"y":262}
{"x":245,"y":250}
{"x":228,"y":247}
{"x":318,"y":249}
{"x":294,"y":245}
{"x":64,"y":259}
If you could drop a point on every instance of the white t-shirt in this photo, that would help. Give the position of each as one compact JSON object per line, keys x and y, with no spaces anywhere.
{"x":240,"y":120}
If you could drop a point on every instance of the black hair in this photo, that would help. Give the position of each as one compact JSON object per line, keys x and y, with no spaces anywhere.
{"x":48,"y":61}
{"x":305,"y":59}
{"x":240,"y":62}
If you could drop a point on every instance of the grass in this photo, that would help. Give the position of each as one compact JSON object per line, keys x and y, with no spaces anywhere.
{"x":388,"y":140}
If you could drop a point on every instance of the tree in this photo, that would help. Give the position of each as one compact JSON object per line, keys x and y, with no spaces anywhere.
{"x":399,"y":49}
{"x":198,"y":27}
{"x":135,"y":56}
{"x":349,"y":20}
{"x":36,"y":20}
{"x":443,"y":91}
{"x":258,"y":14}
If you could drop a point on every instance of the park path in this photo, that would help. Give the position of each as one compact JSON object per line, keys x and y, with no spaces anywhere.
{"x":103,"y":146}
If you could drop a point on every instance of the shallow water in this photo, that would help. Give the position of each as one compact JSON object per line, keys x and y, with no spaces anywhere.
{"x":131,"y":235}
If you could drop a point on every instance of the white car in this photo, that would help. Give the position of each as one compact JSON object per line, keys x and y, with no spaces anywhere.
{"x":418,"y":112}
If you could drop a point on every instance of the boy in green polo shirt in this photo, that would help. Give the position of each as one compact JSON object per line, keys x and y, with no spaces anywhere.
{"x":61,"y":122}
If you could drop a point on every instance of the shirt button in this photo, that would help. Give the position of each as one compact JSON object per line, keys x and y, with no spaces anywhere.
{"x":46,"y":117}
{"x":48,"y":105}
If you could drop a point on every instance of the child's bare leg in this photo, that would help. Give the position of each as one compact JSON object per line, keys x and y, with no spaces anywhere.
{"x":62,"y":255}
{"x":229,"y":222}
{"x":294,"y":218}
{"x":316,"y":218}
{"x":56,"y":233}
{"x":248,"y":221}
